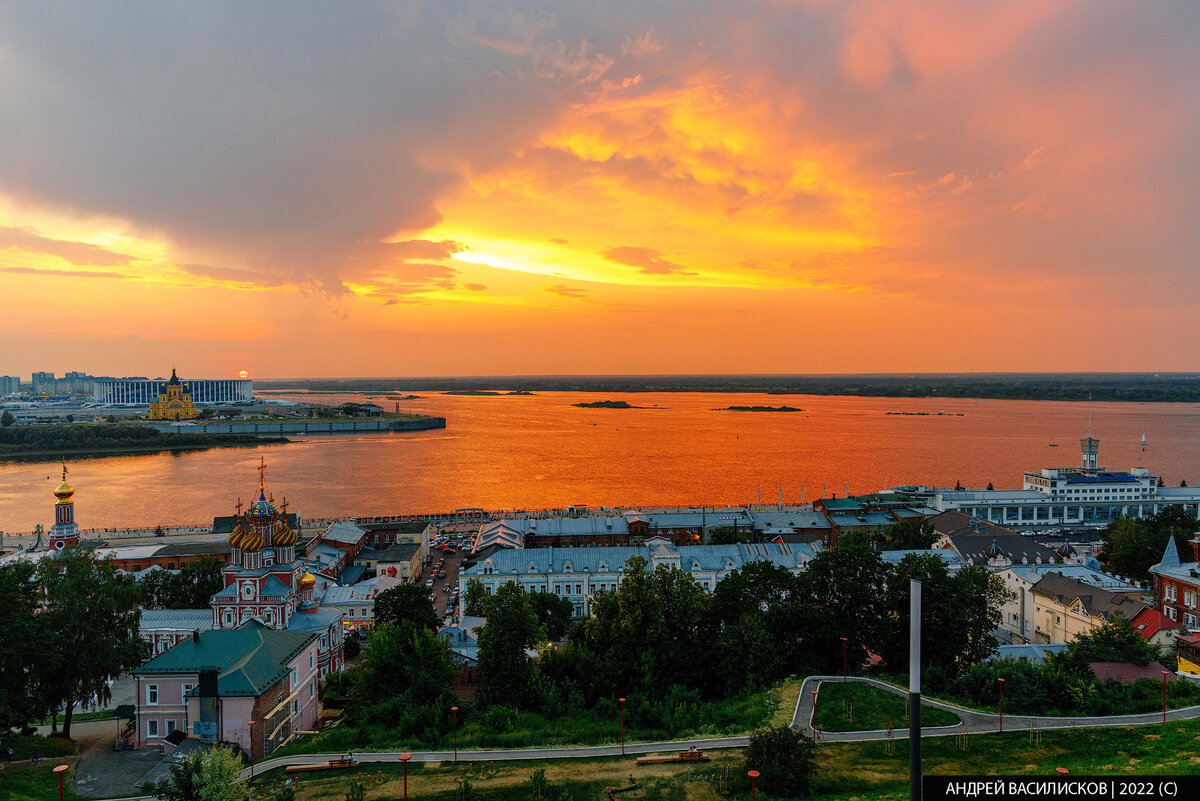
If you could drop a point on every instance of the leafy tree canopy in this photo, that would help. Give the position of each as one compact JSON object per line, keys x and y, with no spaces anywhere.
{"x":785,"y":760}
{"x":408,"y":602}
{"x":206,"y":775}
{"x":505,"y":670}
{"x":92,"y":617}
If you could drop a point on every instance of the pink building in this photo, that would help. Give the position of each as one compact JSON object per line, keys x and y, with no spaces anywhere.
{"x":251,"y":686}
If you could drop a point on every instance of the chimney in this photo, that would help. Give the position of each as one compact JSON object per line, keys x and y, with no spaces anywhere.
{"x":1195,"y":543}
{"x":195,"y":635}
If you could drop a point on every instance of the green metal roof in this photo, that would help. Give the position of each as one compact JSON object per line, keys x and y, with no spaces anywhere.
{"x":248,"y":659}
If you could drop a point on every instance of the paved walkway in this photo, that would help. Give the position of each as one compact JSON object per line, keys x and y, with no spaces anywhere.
{"x":976,"y":722}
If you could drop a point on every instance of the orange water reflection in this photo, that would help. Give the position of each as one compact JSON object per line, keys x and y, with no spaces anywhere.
{"x":538,"y":451}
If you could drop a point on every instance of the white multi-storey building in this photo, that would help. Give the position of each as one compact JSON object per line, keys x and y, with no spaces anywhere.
{"x":142,"y":391}
{"x":1064,"y":496}
{"x":579,"y":573}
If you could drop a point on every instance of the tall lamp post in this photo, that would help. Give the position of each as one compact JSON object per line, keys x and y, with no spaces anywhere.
{"x":753,"y":774}
{"x":622,"y":700}
{"x":60,"y":770}
{"x":454,"y":709}
{"x":250,"y":747}
{"x":404,"y":760}
{"x":1164,"y":675}
{"x":843,"y":659}
{"x":1001,"y":681}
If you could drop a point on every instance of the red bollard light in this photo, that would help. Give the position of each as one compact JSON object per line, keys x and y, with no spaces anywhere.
{"x":404,"y":759}
{"x":622,"y":700}
{"x":753,"y":774}
{"x":60,"y":770}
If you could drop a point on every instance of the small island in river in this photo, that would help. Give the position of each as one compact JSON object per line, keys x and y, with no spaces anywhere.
{"x":607,"y":405}
{"x":758,"y":409}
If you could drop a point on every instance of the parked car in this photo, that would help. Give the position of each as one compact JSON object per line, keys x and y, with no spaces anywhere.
{"x":441,"y":574}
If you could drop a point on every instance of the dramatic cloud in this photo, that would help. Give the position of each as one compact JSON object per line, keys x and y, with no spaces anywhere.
{"x":80,"y":253}
{"x":565,"y":291}
{"x":916,"y":176}
{"x":63,"y":273}
{"x":648,"y":260}
{"x":233,"y":275}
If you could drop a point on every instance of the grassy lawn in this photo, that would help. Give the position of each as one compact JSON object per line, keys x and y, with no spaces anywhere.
{"x":477,"y":730}
{"x":22,"y":781}
{"x":870,"y":708}
{"x":845,"y":771}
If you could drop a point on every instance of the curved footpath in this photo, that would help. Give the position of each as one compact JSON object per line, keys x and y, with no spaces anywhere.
{"x":976,"y":722}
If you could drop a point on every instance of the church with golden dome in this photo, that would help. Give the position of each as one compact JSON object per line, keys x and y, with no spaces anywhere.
{"x":265,"y":580}
{"x":174,"y":402}
{"x":65,"y":532}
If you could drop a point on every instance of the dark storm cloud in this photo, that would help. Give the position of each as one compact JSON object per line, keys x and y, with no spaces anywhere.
{"x":279,"y":134}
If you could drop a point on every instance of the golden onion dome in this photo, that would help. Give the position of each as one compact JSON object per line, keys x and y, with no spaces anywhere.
{"x":308,"y":580}
{"x":64,"y":493}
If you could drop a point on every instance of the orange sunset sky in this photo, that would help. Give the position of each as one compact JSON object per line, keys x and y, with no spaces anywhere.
{"x":450,"y":188}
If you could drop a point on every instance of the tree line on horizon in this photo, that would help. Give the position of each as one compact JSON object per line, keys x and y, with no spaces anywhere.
{"x":1124,"y":387}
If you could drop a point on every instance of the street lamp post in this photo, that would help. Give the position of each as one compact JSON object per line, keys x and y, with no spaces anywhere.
{"x":622,"y":700}
{"x":404,"y":760}
{"x":1001,"y":681}
{"x":753,"y":774}
{"x":60,"y":770}
{"x":843,"y":659}
{"x":250,"y":747}
{"x":1164,"y":675}
{"x":454,"y":709}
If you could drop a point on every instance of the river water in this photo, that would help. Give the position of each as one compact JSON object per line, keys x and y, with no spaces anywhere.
{"x":539,"y":451}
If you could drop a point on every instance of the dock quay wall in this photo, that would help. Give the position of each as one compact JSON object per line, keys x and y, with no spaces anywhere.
{"x":302,"y":426}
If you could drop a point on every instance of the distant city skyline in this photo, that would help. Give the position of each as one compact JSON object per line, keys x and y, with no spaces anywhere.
{"x":630,"y":188}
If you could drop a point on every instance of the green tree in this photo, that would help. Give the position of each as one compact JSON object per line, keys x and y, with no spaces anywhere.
{"x":757,"y":625}
{"x":408,"y":602}
{"x":785,"y":761}
{"x":505,"y":670}
{"x":92,"y":621}
{"x":23,"y":648}
{"x":647,"y":633}
{"x":206,"y":775}
{"x":476,"y":598}
{"x":909,"y":535}
{"x":959,"y":613}
{"x":190,"y":588}
{"x":1114,"y":641}
{"x":843,"y":590}
{"x":404,"y":681}
{"x":726,"y":535}
{"x":7,"y":419}
{"x":1132,"y":546}
{"x":553,"y":613}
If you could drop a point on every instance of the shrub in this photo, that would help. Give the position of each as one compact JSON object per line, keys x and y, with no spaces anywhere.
{"x":784,"y":759}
